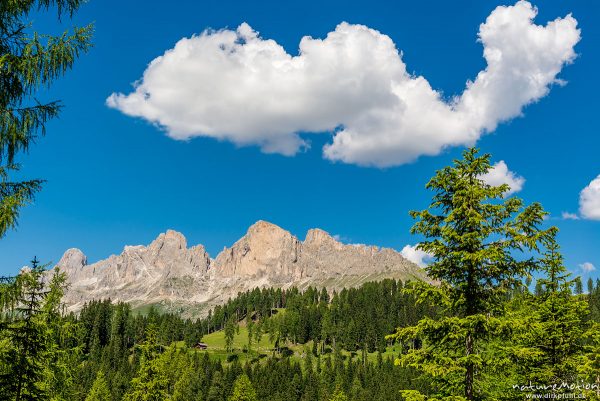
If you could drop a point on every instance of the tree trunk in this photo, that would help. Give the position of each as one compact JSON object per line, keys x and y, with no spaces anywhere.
{"x":470,"y":368}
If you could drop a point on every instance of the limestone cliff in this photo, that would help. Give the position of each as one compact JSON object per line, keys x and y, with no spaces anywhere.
{"x":169,"y":273}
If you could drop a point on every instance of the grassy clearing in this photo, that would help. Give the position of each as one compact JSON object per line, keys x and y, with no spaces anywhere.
{"x":217,"y":349}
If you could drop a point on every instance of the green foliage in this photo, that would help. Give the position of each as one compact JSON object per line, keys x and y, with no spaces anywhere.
{"x":23,"y":334}
{"x":558,"y":320}
{"x":475,"y":236}
{"x":243,"y":390}
{"x":99,"y":390}
{"x":339,"y":395}
{"x":151,"y":382}
{"x":187,"y":388}
{"x":29,"y":62}
{"x":589,"y":367}
{"x":230,"y":331}
{"x":217,"y":390}
{"x":37,"y":354}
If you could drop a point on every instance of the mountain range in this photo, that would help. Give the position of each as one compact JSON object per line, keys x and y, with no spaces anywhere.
{"x":173,"y":277}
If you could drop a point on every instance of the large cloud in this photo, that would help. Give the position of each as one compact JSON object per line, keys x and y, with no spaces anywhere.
{"x":500,"y":174}
{"x":237,"y":86}
{"x":589,"y":200}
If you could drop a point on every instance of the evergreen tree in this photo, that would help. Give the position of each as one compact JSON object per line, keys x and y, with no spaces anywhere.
{"x":243,"y":390}
{"x":99,"y":390}
{"x":28,"y":63}
{"x":230,"y":328}
{"x":187,"y":387}
{"x":251,"y":327}
{"x":578,"y":285}
{"x":559,"y":319}
{"x":216,"y":392}
{"x":547,"y":329}
{"x":590,"y":361}
{"x":474,"y":235}
{"x":64,"y":350}
{"x":26,"y":335}
{"x":339,"y":395}
{"x":151,"y":382}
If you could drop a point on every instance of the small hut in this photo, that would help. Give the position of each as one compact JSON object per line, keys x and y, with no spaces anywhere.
{"x":202,"y":346}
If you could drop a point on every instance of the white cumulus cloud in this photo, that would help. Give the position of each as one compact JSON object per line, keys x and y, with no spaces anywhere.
{"x":237,"y":86}
{"x":587,"y":267}
{"x":500,"y":174}
{"x":417,"y":256}
{"x":589,"y":200}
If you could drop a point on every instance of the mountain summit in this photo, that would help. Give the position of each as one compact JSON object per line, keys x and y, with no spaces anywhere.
{"x":168,"y":273}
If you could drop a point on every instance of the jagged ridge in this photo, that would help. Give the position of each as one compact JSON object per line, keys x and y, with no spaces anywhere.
{"x":168,"y":272}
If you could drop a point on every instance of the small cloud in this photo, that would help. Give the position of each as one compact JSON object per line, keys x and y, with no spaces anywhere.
{"x":500,"y":174}
{"x":587,"y":267}
{"x":569,"y":216}
{"x":589,"y":200}
{"x":417,"y":256}
{"x":340,"y":238}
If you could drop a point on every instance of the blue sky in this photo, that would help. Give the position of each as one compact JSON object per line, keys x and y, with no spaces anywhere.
{"x":115,"y":180}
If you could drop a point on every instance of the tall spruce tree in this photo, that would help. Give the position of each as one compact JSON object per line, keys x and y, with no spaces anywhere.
{"x":589,"y":366}
{"x":230,"y":328}
{"x":28,"y":62}
{"x":480,"y":241}
{"x":31,"y":360}
{"x":151,"y":382}
{"x":559,"y":320}
{"x":547,"y":330}
{"x":243,"y":390}
{"x":99,"y":390}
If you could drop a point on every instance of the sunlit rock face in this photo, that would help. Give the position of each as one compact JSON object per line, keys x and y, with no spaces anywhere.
{"x":168,"y":273}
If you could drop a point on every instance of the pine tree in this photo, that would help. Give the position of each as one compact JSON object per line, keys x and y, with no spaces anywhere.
{"x":251,"y":327}
{"x":339,"y":395}
{"x":64,"y":350}
{"x":555,"y":326}
{"x":24,"y":339}
{"x":230,"y":327}
{"x":216,"y":392}
{"x":578,"y":285}
{"x":99,"y":390}
{"x":151,"y":382}
{"x":589,"y":367}
{"x":474,"y":235}
{"x":28,"y":63}
{"x":243,"y":390}
{"x":187,"y":388}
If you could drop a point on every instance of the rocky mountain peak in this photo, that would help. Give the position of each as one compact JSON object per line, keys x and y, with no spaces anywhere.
{"x":265,"y":249}
{"x":317,"y":237}
{"x":264,"y":229}
{"x":171,"y":240}
{"x":73,"y":260}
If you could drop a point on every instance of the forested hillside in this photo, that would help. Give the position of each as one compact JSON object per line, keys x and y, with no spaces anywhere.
{"x":294,"y":345}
